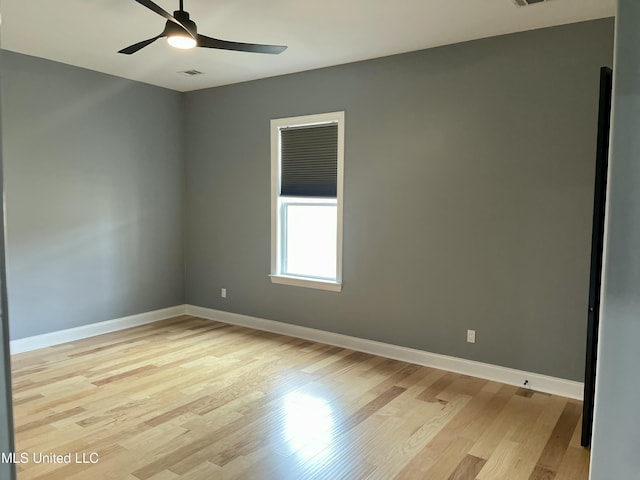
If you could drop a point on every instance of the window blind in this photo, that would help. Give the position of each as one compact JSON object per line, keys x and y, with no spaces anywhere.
{"x":309,"y":161}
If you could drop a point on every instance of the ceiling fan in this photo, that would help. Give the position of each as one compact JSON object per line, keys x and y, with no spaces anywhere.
{"x":181,"y":32}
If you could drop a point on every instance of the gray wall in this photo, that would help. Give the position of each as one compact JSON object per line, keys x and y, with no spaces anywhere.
{"x":93,"y":195}
{"x":616,"y":423}
{"x":468,"y":196}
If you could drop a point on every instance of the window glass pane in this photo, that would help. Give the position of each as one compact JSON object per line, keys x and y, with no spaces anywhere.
{"x":311,"y":240}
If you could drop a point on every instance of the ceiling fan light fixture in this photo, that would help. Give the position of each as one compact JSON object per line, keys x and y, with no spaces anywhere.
{"x":181,"y":32}
{"x":183,"y":42}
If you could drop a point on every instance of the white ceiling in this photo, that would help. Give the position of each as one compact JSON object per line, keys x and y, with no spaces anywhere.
{"x":88,"y":33}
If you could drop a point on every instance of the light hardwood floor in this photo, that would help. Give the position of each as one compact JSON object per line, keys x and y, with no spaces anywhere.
{"x":190,"y":398}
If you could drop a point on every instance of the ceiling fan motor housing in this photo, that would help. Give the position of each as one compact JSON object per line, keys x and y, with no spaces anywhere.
{"x":175,"y":29}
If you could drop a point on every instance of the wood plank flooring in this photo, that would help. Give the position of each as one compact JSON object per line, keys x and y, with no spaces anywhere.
{"x":194,"y":399}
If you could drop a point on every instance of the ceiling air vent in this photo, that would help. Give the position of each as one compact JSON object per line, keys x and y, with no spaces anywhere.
{"x":191,"y":73}
{"x":524,"y":3}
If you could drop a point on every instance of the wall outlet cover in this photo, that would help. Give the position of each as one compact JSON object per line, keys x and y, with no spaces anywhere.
{"x":471,"y":336}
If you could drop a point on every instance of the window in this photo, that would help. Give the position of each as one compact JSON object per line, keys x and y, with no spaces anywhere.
{"x":307,"y":158}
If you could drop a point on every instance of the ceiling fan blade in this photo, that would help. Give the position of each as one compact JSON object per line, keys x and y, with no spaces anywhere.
{"x":138,"y":46}
{"x":208,"y":42}
{"x":163,"y":13}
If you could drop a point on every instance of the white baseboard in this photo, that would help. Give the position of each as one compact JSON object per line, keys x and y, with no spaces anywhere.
{"x":62,"y":336}
{"x":542,"y":383}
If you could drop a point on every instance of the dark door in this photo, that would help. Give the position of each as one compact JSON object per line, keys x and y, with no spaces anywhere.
{"x":597,"y":239}
{"x":7,"y":445}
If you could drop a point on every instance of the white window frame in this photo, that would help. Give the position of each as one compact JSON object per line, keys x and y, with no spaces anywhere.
{"x":277,"y":229}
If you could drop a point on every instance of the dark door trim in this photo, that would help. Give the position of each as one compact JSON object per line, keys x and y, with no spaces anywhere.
{"x":597,"y":245}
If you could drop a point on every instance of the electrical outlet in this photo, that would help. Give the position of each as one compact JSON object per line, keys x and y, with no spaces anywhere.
{"x":471,"y":336}
{"x":223,"y":292}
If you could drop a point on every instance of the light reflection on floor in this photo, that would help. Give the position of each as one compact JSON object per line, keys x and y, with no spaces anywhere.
{"x":308,"y":425}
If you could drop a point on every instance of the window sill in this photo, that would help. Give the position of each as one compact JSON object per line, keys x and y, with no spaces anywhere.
{"x":306,"y":282}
